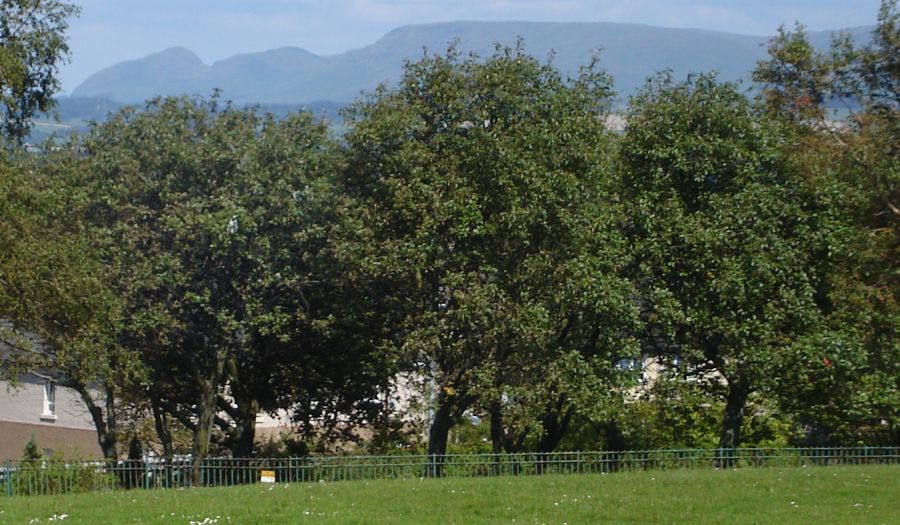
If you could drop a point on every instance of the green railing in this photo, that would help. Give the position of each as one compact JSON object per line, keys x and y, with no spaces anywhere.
{"x":55,"y":477}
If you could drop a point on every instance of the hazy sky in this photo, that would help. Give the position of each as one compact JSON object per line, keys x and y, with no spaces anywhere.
{"x":109,"y":31}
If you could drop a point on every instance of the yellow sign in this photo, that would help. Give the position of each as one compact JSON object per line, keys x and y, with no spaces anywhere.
{"x":267,"y":476}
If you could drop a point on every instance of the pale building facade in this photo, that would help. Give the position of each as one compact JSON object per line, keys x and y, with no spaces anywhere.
{"x":54,"y":415}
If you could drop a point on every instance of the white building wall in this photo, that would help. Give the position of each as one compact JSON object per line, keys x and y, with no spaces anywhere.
{"x":64,"y":428}
{"x":26,"y":403}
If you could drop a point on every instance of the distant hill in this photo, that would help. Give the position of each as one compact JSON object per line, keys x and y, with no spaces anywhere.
{"x":73,"y":115}
{"x":630,"y":52}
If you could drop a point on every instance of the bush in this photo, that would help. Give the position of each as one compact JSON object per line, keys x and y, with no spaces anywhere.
{"x":35,"y":475}
{"x":56,"y":476}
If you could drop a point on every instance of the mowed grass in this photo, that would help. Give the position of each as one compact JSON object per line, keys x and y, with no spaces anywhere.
{"x":817,"y":495}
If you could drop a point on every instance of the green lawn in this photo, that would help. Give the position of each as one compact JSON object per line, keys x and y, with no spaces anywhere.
{"x":816,"y":495}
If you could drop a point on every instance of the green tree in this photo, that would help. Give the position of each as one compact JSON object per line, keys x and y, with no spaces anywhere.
{"x":32,"y":45}
{"x":213,"y":221}
{"x":726,"y":237}
{"x":479,"y":214}
{"x":62,"y":314}
{"x":795,"y":79}
{"x":871,"y":73}
{"x":844,"y":380}
{"x":31,"y":453}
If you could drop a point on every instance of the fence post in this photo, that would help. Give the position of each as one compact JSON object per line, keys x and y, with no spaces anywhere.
{"x":8,"y":478}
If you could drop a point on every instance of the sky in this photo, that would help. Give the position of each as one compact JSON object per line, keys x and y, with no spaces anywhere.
{"x":110,"y":31}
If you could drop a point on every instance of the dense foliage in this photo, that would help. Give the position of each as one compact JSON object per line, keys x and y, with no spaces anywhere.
{"x":479,"y":263}
{"x":481,"y":198}
{"x":32,"y":44}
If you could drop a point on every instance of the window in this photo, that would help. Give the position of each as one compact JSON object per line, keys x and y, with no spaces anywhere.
{"x":49,"y":400}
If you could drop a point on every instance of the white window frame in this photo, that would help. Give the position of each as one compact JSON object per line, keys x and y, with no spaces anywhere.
{"x":49,"y":407}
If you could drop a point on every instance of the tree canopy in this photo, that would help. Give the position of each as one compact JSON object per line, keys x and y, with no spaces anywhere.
{"x":33,"y":42}
{"x":723,"y":271}
{"x":480,"y":190}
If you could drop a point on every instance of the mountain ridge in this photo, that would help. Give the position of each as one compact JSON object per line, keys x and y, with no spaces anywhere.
{"x":293,"y":75}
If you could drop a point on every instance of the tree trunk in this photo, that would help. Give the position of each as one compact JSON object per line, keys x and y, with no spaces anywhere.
{"x":244,"y":433}
{"x":203,"y":432}
{"x":614,"y":442}
{"x":438,"y":435}
{"x":110,"y":443}
{"x":498,"y":435}
{"x":206,"y":412}
{"x":730,"y":437}
{"x":105,"y":425}
{"x":160,"y":421}
{"x":495,"y":410}
{"x":243,"y":412}
{"x":556,"y":424}
{"x":450,"y":408}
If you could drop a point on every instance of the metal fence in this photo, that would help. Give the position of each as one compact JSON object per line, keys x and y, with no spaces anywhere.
{"x":57,"y":476}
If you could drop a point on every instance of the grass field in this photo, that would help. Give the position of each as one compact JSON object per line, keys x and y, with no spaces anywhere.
{"x":817,"y":495}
